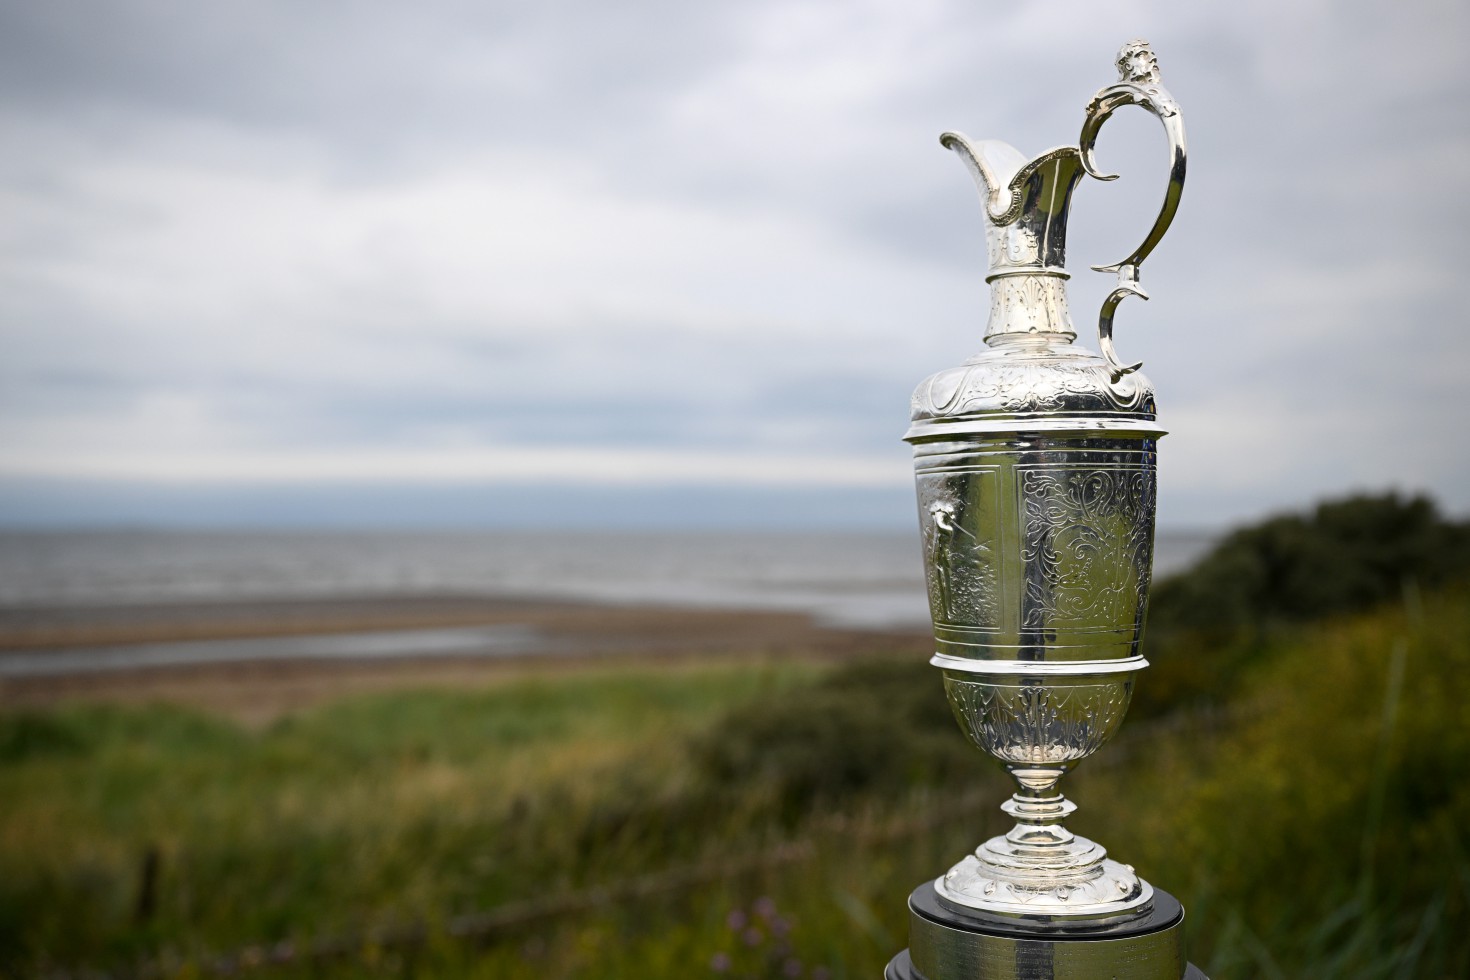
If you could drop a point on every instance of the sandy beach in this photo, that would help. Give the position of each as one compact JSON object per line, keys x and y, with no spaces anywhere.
{"x":568,"y":636}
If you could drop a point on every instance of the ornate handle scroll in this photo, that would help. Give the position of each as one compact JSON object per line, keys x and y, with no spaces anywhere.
{"x":1138,"y":84}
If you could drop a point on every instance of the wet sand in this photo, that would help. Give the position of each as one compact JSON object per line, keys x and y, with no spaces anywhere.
{"x":567,"y":636}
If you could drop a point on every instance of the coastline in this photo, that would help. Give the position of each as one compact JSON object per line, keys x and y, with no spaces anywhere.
{"x":256,"y":624}
{"x":568,"y":636}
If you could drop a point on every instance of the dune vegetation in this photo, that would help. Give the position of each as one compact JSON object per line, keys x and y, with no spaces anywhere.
{"x":1291,"y":772}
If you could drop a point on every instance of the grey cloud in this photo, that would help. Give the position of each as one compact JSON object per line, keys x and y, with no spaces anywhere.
{"x":1311,"y":272}
{"x":382,"y":84}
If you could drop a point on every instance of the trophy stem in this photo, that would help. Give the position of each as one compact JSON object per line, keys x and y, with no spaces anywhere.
{"x":1040,"y":867}
{"x":1039,"y":811}
{"x":1039,"y":853}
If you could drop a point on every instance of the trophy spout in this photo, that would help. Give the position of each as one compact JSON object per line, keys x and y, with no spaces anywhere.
{"x":1026,"y":203}
{"x":992,"y":164}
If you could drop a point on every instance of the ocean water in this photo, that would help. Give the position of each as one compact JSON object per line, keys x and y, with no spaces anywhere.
{"x":865,"y":580}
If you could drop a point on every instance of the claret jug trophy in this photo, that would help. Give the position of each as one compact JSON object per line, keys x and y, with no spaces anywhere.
{"x":1035,"y":466}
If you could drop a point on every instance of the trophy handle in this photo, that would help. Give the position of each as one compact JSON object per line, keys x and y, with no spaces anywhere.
{"x":1138,"y":84}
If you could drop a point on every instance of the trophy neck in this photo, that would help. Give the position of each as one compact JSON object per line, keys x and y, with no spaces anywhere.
{"x":1029,"y":303}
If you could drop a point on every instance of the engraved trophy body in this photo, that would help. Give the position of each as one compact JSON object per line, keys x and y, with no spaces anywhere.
{"x":1035,"y":468}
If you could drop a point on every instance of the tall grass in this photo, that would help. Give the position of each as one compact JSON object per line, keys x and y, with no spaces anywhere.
{"x":733,"y":820}
{"x":377,"y":809}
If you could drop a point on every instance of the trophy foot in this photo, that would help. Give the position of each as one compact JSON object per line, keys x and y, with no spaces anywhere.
{"x":1041,"y":868}
{"x":1100,"y":890}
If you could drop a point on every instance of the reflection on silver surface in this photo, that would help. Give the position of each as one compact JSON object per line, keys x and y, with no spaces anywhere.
{"x":1035,"y":465}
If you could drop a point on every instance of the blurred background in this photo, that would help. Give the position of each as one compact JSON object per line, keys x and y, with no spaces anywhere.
{"x":453,"y":517}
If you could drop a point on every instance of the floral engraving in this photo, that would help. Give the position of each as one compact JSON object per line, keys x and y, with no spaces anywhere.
{"x":1036,"y":387}
{"x":1087,"y":546}
{"x":1017,"y":386}
{"x":1021,"y":245}
{"x":1036,"y":724}
{"x":1028,"y":304}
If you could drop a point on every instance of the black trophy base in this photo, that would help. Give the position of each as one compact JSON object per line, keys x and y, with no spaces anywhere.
{"x":948,"y":942}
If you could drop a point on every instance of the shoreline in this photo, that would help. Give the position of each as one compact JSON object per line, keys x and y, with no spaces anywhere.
{"x":568,"y":636}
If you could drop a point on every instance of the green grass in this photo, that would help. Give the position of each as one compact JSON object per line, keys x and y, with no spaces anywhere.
{"x":1313,"y":825}
{"x":391,"y":806}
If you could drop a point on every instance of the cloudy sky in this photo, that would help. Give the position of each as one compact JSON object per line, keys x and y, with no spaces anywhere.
{"x":682,"y":263}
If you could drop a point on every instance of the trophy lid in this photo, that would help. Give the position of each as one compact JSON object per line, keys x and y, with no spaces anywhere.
{"x":1019,"y":386}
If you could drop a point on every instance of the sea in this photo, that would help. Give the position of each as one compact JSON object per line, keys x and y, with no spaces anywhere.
{"x":857,"y":580}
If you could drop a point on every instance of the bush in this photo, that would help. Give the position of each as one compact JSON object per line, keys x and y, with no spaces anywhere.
{"x":874,"y":726}
{"x":1334,"y":789}
{"x":1346,"y":555}
{"x":1262,"y":584}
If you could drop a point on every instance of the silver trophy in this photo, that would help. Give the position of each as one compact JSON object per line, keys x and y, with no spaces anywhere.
{"x":1035,"y":463}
